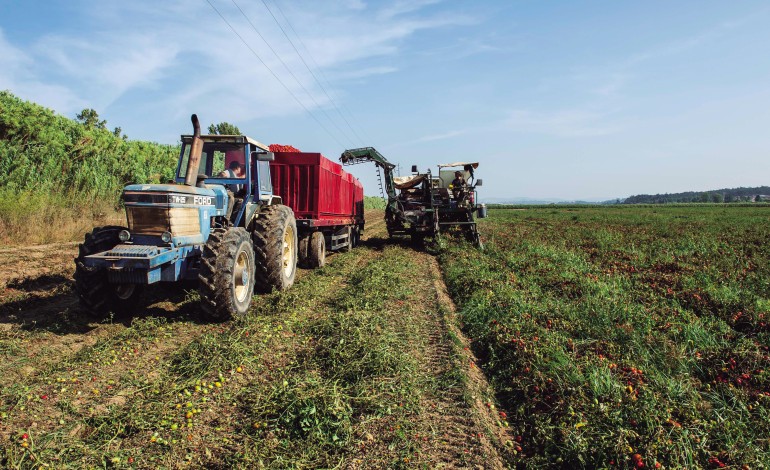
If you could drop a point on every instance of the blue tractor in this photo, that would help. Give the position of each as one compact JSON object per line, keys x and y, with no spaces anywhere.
{"x":218,"y":223}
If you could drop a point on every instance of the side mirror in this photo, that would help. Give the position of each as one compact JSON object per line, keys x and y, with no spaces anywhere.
{"x":479,"y":183}
{"x":263,"y":156}
{"x":414,"y":168}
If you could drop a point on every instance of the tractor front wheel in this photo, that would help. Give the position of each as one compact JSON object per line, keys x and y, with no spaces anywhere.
{"x":275,"y":248}
{"x":95,"y":292}
{"x":226,"y":278}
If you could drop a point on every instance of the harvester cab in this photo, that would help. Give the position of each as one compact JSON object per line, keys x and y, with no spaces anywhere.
{"x":458,"y":182}
{"x":220,"y":224}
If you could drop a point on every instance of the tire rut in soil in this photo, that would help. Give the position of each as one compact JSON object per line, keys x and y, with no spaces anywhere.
{"x":456,"y":422}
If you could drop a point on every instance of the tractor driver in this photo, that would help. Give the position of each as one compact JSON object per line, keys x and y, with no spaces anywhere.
{"x":458,"y":186}
{"x":234,"y":170}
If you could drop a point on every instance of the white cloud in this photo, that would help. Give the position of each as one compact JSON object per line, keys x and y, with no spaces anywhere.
{"x":562,"y":123}
{"x":442,"y":136}
{"x":190,"y":60}
{"x":359,"y":73}
{"x":402,"y":7}
{"x":107,"y":68}
{"x":17,"y":75}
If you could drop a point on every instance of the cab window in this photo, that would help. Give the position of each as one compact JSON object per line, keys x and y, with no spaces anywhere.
{"x":216,"y":159}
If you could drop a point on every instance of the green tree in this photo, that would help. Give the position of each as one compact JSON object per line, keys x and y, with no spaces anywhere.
{"x":224,"y":128}
{"x":90,"y":118}
{"x":717,"y":197}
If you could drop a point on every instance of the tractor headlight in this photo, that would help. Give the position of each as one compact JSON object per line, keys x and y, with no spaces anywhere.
{"x":124,"y":235}
{"x":166,"y":237}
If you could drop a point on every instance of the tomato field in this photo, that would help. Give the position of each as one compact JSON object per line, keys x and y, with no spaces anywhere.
{"x":624,"y":336}
{"x":581,"y":337}
{"x":358,"y":364}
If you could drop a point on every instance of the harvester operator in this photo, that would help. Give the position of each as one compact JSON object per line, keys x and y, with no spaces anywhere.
{"x":458,"y":186}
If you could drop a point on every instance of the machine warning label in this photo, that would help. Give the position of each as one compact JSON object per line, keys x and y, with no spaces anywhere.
{"x":194,"y":200}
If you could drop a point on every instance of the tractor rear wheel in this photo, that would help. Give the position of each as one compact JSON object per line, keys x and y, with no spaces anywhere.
{"x":275,"y":248}
{"x":95,"y":292}
{"x":226,"y":278}
{"x":317,"y":250}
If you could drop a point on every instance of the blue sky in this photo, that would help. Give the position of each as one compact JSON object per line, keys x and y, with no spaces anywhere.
{"x":571,"y":100}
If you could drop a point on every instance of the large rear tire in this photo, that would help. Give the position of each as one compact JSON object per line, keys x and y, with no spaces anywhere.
{"x":317,"y":250}
{"x":275,"y":248}
{"x":94,"y":291}
{"x":226,"y":278}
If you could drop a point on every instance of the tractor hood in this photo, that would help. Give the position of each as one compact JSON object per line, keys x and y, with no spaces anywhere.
{"x":214,"y":195}
{"x":184,"y":211}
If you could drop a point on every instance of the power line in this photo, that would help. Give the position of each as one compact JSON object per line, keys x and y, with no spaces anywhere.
{"x":325,"y":79}
{"x":274,"y":74}
{"x":305,"y":63}
{"x":291,"y":73}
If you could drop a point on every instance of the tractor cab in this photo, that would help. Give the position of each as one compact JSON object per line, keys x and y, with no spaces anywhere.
{"x":236,"y":167}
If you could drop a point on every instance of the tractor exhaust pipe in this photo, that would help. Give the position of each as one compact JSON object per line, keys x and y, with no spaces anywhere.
{"x":194,"y":161}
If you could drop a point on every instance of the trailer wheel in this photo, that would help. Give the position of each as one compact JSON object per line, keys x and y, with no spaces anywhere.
{"x":275,"y":248}
{"x":436,"y":227}
{"x":317,"y":250}
{"x":418,"y":240}
{"x":226,"y":278}
{"x":95,"y":293}
{"x":303,"y":249}
{"x":349,"y":247}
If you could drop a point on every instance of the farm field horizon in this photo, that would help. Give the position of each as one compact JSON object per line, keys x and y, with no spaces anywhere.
{"x":582,"y":337}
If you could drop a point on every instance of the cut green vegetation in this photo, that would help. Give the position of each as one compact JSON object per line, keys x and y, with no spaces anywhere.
{"x":349,"y":367}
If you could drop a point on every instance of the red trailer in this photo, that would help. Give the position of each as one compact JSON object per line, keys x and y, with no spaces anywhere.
{"x":328,"y":203}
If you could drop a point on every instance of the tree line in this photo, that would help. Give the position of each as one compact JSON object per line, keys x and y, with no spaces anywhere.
{"x":83,"y":159}
{"x":728,"y":195}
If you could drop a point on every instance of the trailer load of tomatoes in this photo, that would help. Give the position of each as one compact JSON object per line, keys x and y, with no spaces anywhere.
{"x":283,"y":148}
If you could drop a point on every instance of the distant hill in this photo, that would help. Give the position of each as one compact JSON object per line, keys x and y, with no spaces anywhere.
{"x":518,"y":201}
{"x":756,"y":194}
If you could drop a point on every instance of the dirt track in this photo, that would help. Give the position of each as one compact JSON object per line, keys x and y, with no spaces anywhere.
{"x":42,"y":327}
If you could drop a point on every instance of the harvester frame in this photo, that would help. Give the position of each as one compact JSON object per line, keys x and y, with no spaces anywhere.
{"x":426,"y":206}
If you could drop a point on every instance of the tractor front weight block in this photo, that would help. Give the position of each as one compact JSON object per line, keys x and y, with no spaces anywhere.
{"x":142,"y":264}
